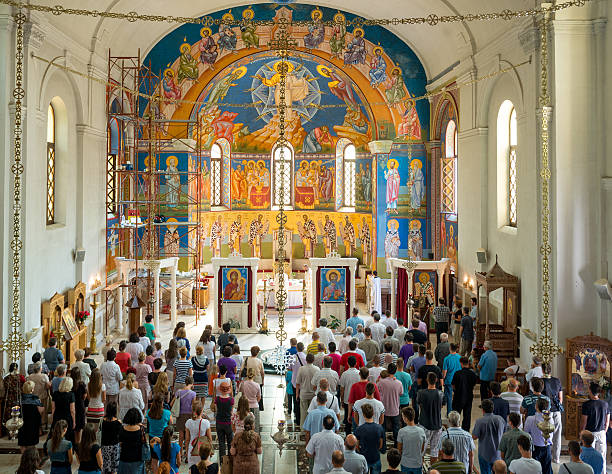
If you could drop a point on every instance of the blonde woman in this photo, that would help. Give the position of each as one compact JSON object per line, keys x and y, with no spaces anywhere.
{"x":161,"y":387}
{"x":130,"y":396}
{"x":62,"y":407}
{"x":251,"y":390}
{"x":96,"y":391}
{"x":29,"y":432}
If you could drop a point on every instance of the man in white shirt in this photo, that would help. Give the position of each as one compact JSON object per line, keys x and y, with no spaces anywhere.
{"x":322,"y":445}
{"x":526,"y":464}
{"x":325,"y":334}
{"x":328,"y":374}
{"x":111,"y":377}
{"x":348,"y":378}
{"x":332,"y":402}
{"x":354,"y":462}
{"x":378,"y":330}
{"x":535,"y":371}
{"x":513,"y":398}
{"x":401,"y":330}
{"x":389,"y":320}
{"x":299,"y":361}
{"x":377,"y":406}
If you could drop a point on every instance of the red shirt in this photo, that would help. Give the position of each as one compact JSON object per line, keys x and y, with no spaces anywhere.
{"x":336,"y":361}
{"x":122,"y":359}
{"x":346,"y":355}
{"x":358,"y":391}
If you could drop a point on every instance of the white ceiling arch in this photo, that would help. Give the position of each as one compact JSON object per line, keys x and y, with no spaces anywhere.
{"x":437,"y":47}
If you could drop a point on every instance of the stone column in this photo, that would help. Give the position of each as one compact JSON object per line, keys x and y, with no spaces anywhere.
{"x":120,"y":304}
{"x":576,"y":231}
{"x":173,"y":271}
{"x":440,"y":272}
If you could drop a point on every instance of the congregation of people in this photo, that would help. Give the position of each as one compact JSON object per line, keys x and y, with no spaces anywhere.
{"x":378,"y":391}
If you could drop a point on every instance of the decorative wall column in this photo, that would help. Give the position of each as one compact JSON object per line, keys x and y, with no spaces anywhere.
{"x":173,"y":271}
{"x":393,"y":291}
{"x":576,"y":203}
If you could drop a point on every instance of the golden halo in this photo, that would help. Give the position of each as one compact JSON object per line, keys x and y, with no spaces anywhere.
{"x":358,"y":30}
{"x":172,"y":159}
{"x":239,"y":72}
{"x":339,"y":18}
{"x":233,"y":272}
{"x":171,"y":227}
{"x":248,"y":13}
{"x":415,"y":224}
{"x":323,"y":70}
{"x":251,"y":164}
{"x":377,"y":50}
{"x":424,"y":277}
{"x":396,"y":69}
{"x":316,"y":12}
{"x":416,"y":163}
{"x":243,"y":162}
{"x":392,"y":160}
{"x":146,"y":161}
{"x":304,"y":162}
{"x":332,"y":272}
{"x":290,"y":66}
{"x":227,"y":17}
{"x":168,"y":72}
{"x":392,"y":223}
{"x":206,"y":29}
{"x":184,"y":47}
{"x":262,"y":162}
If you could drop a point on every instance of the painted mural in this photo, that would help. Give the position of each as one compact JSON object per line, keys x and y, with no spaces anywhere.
{"x":425,"y":286}
{"x":250,"y":184}
{"x":314,"y":183}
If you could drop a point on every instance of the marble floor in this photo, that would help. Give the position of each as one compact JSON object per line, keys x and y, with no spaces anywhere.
{"x":271,"y":461}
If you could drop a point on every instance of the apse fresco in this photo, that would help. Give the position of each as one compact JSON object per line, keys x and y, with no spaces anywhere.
{"x":250,"y":183}
{"x":314,"y":183}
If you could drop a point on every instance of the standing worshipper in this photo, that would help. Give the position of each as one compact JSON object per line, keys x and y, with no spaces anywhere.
{"x":463,"y":385}
{"x":429,"y":367}
{"x":450,"y":366}
{"x":554,"y":391}
{"x":130,"y":397}
{"x":252,"y":392}
{"x":401,"y":330}
{"x":441,"y":314}
{"x":348,"y":378}
{"x":411,"y":443}
{"x":328,"y":374}
{"x":186,"y":397}
{"x":430,"y":402}
{"x":391,"y":390}
{"x":596,"y":418}
{"x":370,"y":346}
{"x":513,"y":398}
{"x":466,"y":334}
{"x":576,"y":465}
{"x":223,"y":418}
{"x":407,"y":350}
{"x":525,"y":464}
{"x":447,"y":462}
{"x":418,"y":336}
{"x":406,"y":381}
{"x":488,"y":430}
{"x":389,"y":320}
{"x":508,"y":446}
{"x":360,"y":361}
{"x":62,"y":408}
{"x":53,"y":356}
{"x":200,"y":375}
{"x":255,"y":363}
{"x":224,"y":338}
{"x":377,"y":406}
{"x":313,"y":423}
{"x":142,"y":376}
{"x":246,"y":445}
{"x":111,"y":377}
{"x":378,"y":329}
{"x":371,"y":438}
{"x":389,"y":337}
{"x":442,"y":350}
{"x":322,"y":445}
{"x":528,"y":406}
{"x":80,"y":394}
{"x":354,"y":321}
{"x":589,"y":454}
{"x":325,"y":334}
{"x":299,"y":361}
{"x":501,"y":407}
{"x":535,"y":370}
{"x":133,"y":348}
{"x":305,"y":391}
{"x":488,"y":366}
{"x":29,"y":431}
{"x":84,"y":367}
{"x":354,"y":463}
{"x":462,"y":441}
{"x":183,"y":368}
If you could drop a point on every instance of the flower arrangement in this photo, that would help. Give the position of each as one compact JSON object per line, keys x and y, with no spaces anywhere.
{"x":81,"y":317}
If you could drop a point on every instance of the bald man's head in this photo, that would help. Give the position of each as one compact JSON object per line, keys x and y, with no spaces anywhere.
{"x":499,"y":467}
{"x":350,"y":442}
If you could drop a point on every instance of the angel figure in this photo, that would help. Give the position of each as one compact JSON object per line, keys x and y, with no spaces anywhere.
{"x":347,"y":233}
{"x":256,"y":230}
{"x":235,"y":235}
{"x":364,"y":236}
{"x":308,"y":234}
{"x":216,"y":231}
{"x":328,"y":229}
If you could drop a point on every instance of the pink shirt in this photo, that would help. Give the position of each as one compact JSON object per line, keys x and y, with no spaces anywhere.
{"x":251,"y":390}
{"x":390,"y":390}
{"x":336,"y":358}
{"x":423,"y":327}
{"x":142,"y":375}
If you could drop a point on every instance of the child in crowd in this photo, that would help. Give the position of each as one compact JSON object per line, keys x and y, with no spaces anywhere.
{"x":158,"y":353}
{"x":150,"y":358}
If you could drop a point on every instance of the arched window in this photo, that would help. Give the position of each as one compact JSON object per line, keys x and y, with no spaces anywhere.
{"x":512,"y":181}
{"x":216,"y":175}
{"x":348,"y":169}
{"x":111,"y":164}
{"x":50,"y":165}
{"x":449,"y":169}
{"x":282,"y":158}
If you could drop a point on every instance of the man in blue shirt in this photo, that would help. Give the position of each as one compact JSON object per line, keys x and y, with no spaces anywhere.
{"x":313,"y":423}
{"x":488,"y":367}
{"x":449,"y":367}
{"x":354,"y":320}
{"x":293,"y":349}
{"x":589,"y":454}
{"x":370,"y":436}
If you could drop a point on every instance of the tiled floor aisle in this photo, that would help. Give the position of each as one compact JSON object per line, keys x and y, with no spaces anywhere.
{"x":270,"y":461}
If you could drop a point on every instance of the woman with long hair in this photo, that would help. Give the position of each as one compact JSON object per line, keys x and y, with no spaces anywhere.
{"x":80,"y":394}
{"x":179,"y":325}
{"x":200,"y":375}
{"x":28,"y":433}
{"x":182,"y":341}
{"x":165,"y":450}
{"x":158,"y":417}
{"x":131,"y":441}
{"x":241,"y":412}
{"x":245,"y":448}
{"x":161,"y":387}
{"x":171,"y":356}
{"x":209,"y":346}
{"x":88,"y":452}
{"x":30,"y":462}
{"x":58,"y":448}
{"x":205,"y":466}
{"x":197,"y":430}
{"x":130,"y":397}
{"x":111,"y":427}
{"x":62,"y":407}
{"x":41,"y":390}
{"x":96,"y":392}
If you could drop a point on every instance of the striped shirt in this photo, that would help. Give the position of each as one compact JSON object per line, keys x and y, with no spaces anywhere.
{"x":441,"y":314}
{"x":387,"y":358}
{"x":514,"y":399}
{"x":182,"y":367}
{"x":313,"y":347}
{"x":463,"y":442}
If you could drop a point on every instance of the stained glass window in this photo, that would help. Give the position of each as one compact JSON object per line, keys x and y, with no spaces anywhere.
{"x":282,"y":179}
{"x":216,"y":175}
{"x":512,"y":179}
{"x":348,"y":169}
{"x":50,"y":165}
{"x":449,"y":169}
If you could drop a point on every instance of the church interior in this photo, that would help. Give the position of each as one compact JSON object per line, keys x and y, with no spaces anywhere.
{"x":267,"y":165}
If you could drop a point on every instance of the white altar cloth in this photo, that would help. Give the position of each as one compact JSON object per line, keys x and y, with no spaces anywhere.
{"x":294,"y":293}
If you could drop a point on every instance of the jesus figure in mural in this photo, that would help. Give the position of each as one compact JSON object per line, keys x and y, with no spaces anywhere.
{"x":295,"y":88}
{"x":393,"y":184}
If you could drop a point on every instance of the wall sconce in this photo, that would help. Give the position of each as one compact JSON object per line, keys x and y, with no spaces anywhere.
{"x":471,"y":285}
{"x":465,"y":281}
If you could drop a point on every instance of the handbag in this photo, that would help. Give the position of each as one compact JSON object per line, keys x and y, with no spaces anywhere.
{"x":198,"y":440}
{"x":226,"y":465}
{"x":146,"y":449}
{"x":243,"y":372}
{"x":176,"y":406}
